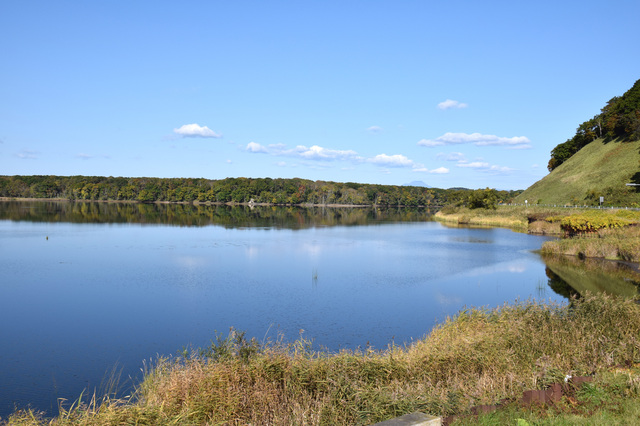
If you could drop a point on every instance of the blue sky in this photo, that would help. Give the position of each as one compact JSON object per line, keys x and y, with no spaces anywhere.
{"x":451,"y":93}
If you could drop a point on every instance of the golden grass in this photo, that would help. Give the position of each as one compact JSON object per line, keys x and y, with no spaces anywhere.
{"x":519,"y":218}
{"x":480,"y":356}
{"x":616,"y":244}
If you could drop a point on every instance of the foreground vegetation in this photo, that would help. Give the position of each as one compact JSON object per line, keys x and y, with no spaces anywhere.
{"x":478,"y":357}
{"x":613,"y":398}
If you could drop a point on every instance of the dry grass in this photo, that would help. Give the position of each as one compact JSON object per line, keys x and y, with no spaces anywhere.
{"x":519,"y":218}
{"x":620,"y":244}
{"x":478,"y":357}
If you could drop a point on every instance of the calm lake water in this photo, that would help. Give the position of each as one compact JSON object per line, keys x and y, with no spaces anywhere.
{"x":87,"y":288}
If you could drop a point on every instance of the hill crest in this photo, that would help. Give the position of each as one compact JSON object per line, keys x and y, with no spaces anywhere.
{"x":599,"y":169}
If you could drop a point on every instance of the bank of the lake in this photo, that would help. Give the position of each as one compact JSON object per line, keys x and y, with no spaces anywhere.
{"x":477,"y":357}
{"x":349,"y":277}
{"x":609,"y":234}
{"x":530,"y":219}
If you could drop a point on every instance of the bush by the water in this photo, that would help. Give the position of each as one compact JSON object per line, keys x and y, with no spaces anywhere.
{"x":594,"y":220}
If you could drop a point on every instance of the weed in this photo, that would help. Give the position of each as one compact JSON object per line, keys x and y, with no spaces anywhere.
{"x":478,"y":357}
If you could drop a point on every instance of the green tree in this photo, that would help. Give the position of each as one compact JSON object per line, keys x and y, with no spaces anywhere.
{"x":482,"y":198}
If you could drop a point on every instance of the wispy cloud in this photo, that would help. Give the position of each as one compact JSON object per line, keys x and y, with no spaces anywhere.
{"x":84,"y":156}
{"x":483,"y":166}
{"x":315,"y":152}
{"x":27,"y":154}
{"x":477,"y":139}
{"x":451,"y":156}
{"x":374,"y":129}
{"x":321,"y":154}
{"x":478,"y":164}
{"x":449,"y":104}
{"x":196,"y":131}
{"x":474,"y":165}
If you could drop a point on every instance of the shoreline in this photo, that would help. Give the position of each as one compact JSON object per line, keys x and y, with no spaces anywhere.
{"x":487,"y":357}
{"x":215,"y":203}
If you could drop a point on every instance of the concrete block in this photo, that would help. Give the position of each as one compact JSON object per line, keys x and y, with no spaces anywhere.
{"x":413,"y":419}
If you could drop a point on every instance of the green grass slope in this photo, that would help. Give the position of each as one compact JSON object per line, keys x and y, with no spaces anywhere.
{"x":597,"y":170}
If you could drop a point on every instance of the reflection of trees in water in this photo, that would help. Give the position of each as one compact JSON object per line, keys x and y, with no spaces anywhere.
{"x":203,"y":215}
{"x":560,"y":286}
{"x":569,"y":276}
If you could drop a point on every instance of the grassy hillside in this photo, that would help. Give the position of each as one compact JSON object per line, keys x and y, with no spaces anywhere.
{"x":598,"y":169}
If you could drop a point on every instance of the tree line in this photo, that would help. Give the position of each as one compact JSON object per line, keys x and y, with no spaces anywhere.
{"x":184,"y":214}
{"x":231,"y":190}
{"x":619,"y":119}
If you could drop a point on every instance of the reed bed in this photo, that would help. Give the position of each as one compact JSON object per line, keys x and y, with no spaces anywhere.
{"x":480,"y":356}
{"x":614,"y":244}
{"x":518,"y":218}
{"x":482,"y":217}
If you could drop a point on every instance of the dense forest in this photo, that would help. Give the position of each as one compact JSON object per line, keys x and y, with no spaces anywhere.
{"x":234,"y":190}
{"x":618,"y":120}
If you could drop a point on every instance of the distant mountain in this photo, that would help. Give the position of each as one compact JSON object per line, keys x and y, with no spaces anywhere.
{"x":418,"y":183}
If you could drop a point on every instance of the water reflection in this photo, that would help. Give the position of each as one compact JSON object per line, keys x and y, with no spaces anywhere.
{"x":277,"y":217}
{"x":573,"y":277}
{"x":113,"y":291}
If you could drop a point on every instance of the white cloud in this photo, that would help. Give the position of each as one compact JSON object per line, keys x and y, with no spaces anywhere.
{"x":449,"y":103}
{"x":256,"y":147}
{"x":396,"y":160}
{"x":440,"y":170}
{"x":374,"y":129}
{"x":84,"y":156}
{"x":313,"y":153}
{"x":452,"y":156}
{"x":196,"y":131}
{"x":323,"y":154}
{"x":478,"y":139}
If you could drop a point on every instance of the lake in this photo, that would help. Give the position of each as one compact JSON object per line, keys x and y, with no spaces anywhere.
{"x":92,"y":288}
